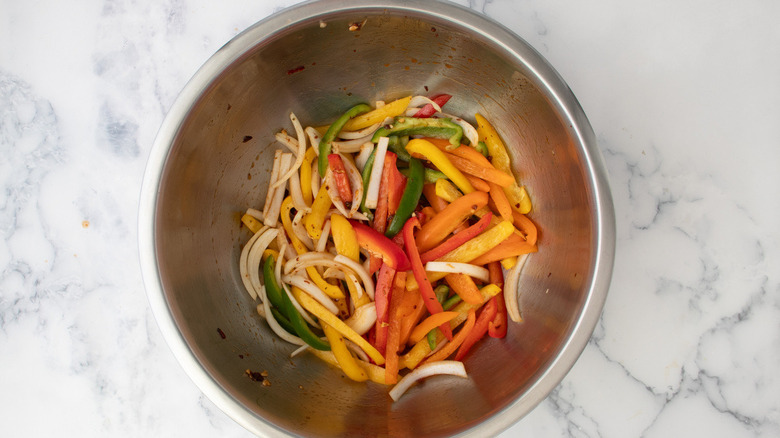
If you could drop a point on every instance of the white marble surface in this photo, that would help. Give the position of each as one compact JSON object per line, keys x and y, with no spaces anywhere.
{"x":683,"y":96}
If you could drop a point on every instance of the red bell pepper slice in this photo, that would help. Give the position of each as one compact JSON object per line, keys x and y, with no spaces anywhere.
{"x":428,"y":110}
{"x":396,"y":185}
{"x":457,"y":240}
{"x":498,"y":326}
{"x":382,"y":207}
{"x":342,"y":179}
{"x":379,"y":245}
{"x":382,"y":297}
{"x":431,"y":303}
{"x":480,"y":328}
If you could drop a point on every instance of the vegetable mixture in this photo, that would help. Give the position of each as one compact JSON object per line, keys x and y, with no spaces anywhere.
{"x":385,"y":238}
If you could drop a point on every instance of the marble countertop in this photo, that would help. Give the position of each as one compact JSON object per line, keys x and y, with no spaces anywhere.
{"x":684,"y":98}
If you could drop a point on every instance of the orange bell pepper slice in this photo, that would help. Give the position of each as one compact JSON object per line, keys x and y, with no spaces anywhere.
{"x":438,"y":228}
{"x":428,"y":324}
{"x":456,"y":341}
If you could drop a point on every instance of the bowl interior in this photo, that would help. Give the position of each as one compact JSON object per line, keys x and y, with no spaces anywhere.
{"x":218,"y":165}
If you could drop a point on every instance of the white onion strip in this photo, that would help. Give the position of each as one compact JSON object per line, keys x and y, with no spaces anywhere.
{"x":304,"y":313}
{"x":254,"y":258}
{"x":475,"y":271}
{"x":359,"y":270}
{"x":310,"y":288}
{"x":271,"y":215}
{"x":356,"y":183}
{"x":451,"y":367}
{"x":296,"y":194}
{"x":279,"y":262}
{"x":350,"y":146}
{"x":269,"y":196}
{"x":282,"y":333}
{"x":468,"y":130}
{"x":362,"y":319}
{"x":320,"y":246}
{"x":314,"y":139}
{"x":301,"y":143}
{"x":333,"y":192}
{"x":257,"y":214}
{"x":315,"y":179}
{"x":351,"y":135}
{"x":334,"y":273}
{"x":511,"y":289}
{"x":300,"y":231}
{"x":242,"y":263}
{"x":362,"y":157}
{"x":421,"y":101}
{"x":286,"y":139}
{"x":376,"y":172}
{"x":358,"y":289}
{"x":353,"y":347}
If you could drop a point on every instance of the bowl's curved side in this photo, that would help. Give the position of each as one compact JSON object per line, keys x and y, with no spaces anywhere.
{"x":195,"y":173}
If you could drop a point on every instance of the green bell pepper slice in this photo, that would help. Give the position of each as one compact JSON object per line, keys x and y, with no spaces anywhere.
{"x":410,"y":197}
{"x":335,"y":128}
{"x":435,"y":128}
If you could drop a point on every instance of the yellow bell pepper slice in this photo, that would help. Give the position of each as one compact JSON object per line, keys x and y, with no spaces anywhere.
{"x":329,"y":289}
{"x":517,"y":195}
{"x":343,"y":356}
{"x":436,"y":156}
{"x":375,"y":373}
{"x":345,"y":239}
{"x":305,"y":172}
{"x":318,"y":310}
{"x":421,"y":349}
{"x":319,"y":210}
{"x":253,"y":224}
{"x":392,"y":109}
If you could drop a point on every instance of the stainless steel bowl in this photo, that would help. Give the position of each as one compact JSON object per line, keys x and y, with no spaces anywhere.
{"x":204,"y":170}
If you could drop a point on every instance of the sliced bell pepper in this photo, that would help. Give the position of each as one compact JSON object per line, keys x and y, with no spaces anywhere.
{"x":428,"y":324}
{"x":274,"y":293}
{"x":456,"y":341}
{"x":382,"y":209}
{"x":412,"y":311}
{"x":343,"y":356}
{"x":486,"y":315}
{"x":512,"y":246}
{"x":333,"y":130}
{"x":431,"y":153}
{"x":500,"y":201}
{"x":379,"y":245}
{"x":498,"y":326}
{"x":315,"y":219}
{"x":341,"y":178}
{"x":500,"y":159}
{"x":252,"y":223}
{"x":428,"y":110}
{"x":424,"y":286}
{"x":318,"y":310}
{"x":375,"y":373}
{"x":397,"y":183}
{"x":394,"y":328}
{"x":438,"y":228}
{"x":464,"y":286}
{"x":480,"y":244}
{"x":396,"y":145}
{"x":488,"y":173}
{"x":409,"y":200}
{"x":435,"y":128}
{"x":437,"y":203}
{"x":382,"y":296}
{"x":457,"y":240}
{"x":296,"y":320}
{"x":392,"y":109}
{"x":366,"y":176}
{"x":344,"y":237}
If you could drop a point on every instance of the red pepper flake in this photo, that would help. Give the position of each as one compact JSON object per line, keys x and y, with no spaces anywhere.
{"x":296,"y":69}
{"x":221,"y":333}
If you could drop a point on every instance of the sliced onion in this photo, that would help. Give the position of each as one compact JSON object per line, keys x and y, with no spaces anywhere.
{"x":350,"y":146}
{"x":314,"y":139}
{"x":279,"y":262}
{"x":362,"y":319}
{"x":300,"y":231}
{"x":296,"y":194}
{"x":271,"y":215}
{"x":376,"y":172}
{"x":475,"y":271}
{"x":358,"y":289}
{"x":421,"y":101}
{"x":257,"y":214}
{"x":334,"y":273}
{"x":315,"y":178}
{"x":356,"y":182}
{"x":287,"y":140}
{"x":468,"y":130}
{"x":299,"y":350}
{"x":353,"y":347}
{"x":242,"y":263}
{"x":450,"y":367}
{"x":281,"y":242}
{"x":316,"y":257}
{"x":359,"y":270}
{"x":511,"y":289}
{"x":254,"y":258}
{"x":365,"y":152}
{"x":333,"y":192}
{"x":269,"y":196}
{"x":304,"y":313}
{"x":351,"y":135}
{"x":320,"y":246}
{"x":310,"y":288}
